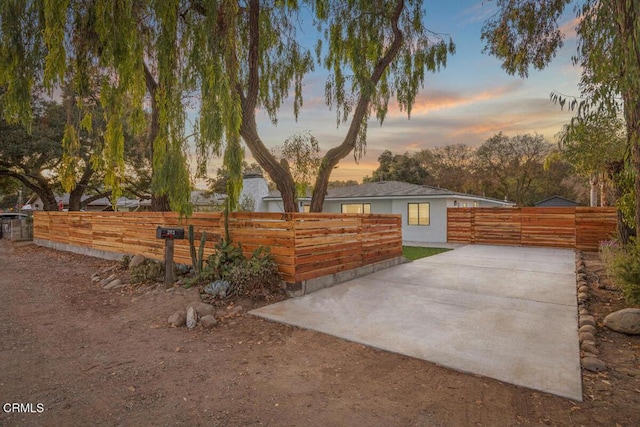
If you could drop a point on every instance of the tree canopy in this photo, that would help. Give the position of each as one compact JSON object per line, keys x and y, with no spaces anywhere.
{"x":230,"y":58}
{"x":525,"y":34}
{"x":503,"y":167}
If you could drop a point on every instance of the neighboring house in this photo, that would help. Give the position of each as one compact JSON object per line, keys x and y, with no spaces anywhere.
{"x":103,"y":204}
{"x":423,"y":208}
{"x":556,"y":202}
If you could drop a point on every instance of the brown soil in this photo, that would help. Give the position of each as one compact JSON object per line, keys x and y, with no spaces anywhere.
{"x":95,"y":357}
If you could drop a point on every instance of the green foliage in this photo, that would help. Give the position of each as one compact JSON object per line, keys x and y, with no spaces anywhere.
{"x":591,"y":142}
{"x":503,"y":166}
{"x":251,"y":277}
{"x":512,"y":166}
{"x":415,"y":252}
{"x":148,"y":271}
{"x":256,"y":276}
{"x":247,"y":204}
{"x":623,"y":266}
{"x":197,"y":259}
{"x":399,"y":167}
{"x":524,"y":34}
{"x":302,"y":154}
{"x":219,"y":264}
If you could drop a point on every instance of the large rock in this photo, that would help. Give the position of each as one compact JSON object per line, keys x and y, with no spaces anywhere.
{"x":593,"y":364}
{"x":192,"y":318}
{"x":136,"y":261}
{"x":208,"y":321}
{"x":202,"y":308}
{"x":626,"y":321}
{"x":177,"y":319}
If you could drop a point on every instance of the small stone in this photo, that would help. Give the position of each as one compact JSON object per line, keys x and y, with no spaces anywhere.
{"x":626,"y":321}
{"x":586,"y":336}
{"x":177,"y":319}
{"x":114,"y":284}
{"x":192,"y":318}
{"x":588,"y":348}
{"x":95,"y":279}
{"x":136,"y":261}
{"x":587,"y":320}
{"x":588,"y":342}
{"x":583,"y":296}
{"x":583,"y":289}
{"x":593,"y":364}
{"x":202,"y":308}
{"x":208,"y":321}
{"x":583,"y":312}
{"x":588,"y":328}
{"x":108,"y":280}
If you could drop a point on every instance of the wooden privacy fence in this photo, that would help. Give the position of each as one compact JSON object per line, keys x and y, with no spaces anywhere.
{"x":304,"y":245}
{"x":579,"y":227}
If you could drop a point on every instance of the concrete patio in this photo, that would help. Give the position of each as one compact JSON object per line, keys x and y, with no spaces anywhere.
{"x":507,"y":313}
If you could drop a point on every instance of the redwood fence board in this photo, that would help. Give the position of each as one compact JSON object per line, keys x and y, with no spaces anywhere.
{"x":574,"y":227}
{"x":304,"y":245}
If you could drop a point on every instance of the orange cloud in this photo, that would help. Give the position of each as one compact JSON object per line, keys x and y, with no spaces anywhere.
{"x":436,"y":101}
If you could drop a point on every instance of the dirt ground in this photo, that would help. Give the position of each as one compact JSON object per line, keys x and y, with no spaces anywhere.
{"x":82,"y":355}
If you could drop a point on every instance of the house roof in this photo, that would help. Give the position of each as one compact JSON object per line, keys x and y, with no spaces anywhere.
{"x":390,"y":189}
{"x":561,"y":200}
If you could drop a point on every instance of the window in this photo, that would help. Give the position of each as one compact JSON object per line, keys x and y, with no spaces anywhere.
{"x":418,"y":214}
{"x":356,"y":208}
{"x":306,"y":208}
{"x":475,"y":204}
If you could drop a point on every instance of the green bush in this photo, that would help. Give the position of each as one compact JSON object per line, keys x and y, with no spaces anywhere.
{"x":623,"y":267}
{"x":251,"y":277}
{"x":148,"y":271}
{"x":258,"y":276}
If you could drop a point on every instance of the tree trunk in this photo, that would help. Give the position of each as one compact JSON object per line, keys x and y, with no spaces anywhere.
{"x":334,"y":155}
{"x":593,"y":193}
{"x":40,"y":187}
{"x":159,"y":202}
{"x":625,"y":13}
{"x":279,"y":172}
{"x":75,"y":197}
{"x":614,"y":171}
{"x":49,"y":202}
{"x":604,"y":197}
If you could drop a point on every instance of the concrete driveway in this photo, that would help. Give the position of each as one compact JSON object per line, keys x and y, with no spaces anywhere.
{"x":507,"y":313}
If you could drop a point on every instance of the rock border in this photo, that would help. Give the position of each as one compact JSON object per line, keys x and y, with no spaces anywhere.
{"x":587,"y":332}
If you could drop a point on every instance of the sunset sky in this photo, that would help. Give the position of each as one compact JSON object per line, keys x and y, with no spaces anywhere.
{"x":467,"y":102}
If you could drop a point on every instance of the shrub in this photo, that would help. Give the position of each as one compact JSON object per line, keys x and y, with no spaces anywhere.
{"x":623,"y":267}
{"x":252,"y":277}
{"x":148,"y":271}
{"x":258,"y":276}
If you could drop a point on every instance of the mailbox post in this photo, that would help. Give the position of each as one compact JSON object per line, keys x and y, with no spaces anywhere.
{"x":169,"y":235}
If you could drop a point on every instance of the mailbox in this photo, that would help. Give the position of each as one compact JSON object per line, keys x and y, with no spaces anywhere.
{"x":169,"y":233}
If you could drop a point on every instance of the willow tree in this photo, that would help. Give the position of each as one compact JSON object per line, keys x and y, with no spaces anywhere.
{"x":526,"y":34}
{"x":235,"y":57}
{"x":87,"y":43}
{"x":245,"y":56}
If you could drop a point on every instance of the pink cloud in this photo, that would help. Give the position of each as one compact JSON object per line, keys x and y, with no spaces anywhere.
{"x":440,"y":100}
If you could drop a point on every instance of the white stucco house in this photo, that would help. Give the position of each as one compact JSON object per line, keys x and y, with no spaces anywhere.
{"x":423,"y":208}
